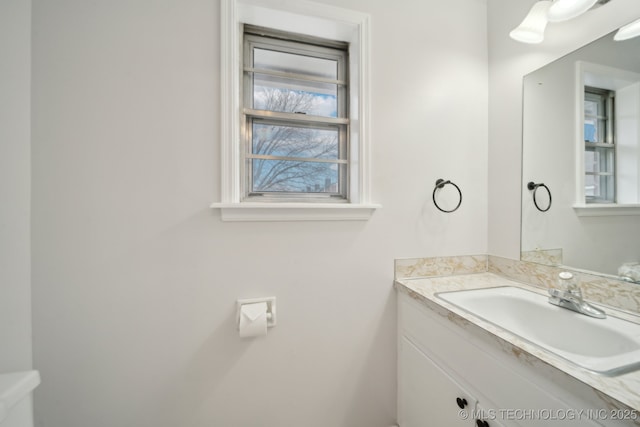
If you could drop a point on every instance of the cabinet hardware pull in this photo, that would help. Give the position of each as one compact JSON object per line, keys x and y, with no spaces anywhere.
{"x":462,"y":402}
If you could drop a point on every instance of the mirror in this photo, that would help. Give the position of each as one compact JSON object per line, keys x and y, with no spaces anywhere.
{"x":581,"y":160}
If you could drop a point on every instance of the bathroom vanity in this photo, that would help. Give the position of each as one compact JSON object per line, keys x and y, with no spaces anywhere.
{"x":457,"y":369}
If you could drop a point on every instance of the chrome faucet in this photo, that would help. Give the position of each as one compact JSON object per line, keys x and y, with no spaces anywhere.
{"x":569,"y":296}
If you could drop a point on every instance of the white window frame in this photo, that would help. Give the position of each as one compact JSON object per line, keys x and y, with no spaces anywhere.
{"x":317,"y":20}
{"x":598,"y":75}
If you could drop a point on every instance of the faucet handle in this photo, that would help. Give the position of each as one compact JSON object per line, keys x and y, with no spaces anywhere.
{"x":565,"y":294}
{"x":567,"y":282}
{"x":568,"y":299}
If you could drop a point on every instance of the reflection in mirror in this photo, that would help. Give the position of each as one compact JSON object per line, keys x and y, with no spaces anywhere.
{"x":581,"y":137}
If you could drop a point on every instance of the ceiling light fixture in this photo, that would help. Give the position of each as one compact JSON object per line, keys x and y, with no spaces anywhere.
{"x":563,"y":10}
{"x":531,"y":29}
{"x":629,"y":31}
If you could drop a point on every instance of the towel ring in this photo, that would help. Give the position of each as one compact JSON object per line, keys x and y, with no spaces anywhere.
{"x":533,"y":186}
{"x":440,"y":183}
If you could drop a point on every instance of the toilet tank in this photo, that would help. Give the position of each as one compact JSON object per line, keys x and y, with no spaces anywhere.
{"x":16,"y":398}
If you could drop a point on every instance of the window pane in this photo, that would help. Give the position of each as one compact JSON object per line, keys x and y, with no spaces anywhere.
{"x":596,"y":118}
{"x":291,"y":176}
{"x":590,"y":130}
{"x":599,"y":159}
{"x":591,"y":161}
{"x":295,"y":141}
{"x":590,"y":184}
{"x":599,"y":179}
{"x":294,"y":96}
{"x":591,"y":108}
{"x":599,"y":188}
{"x":294,"y":63}
{"x":293,"y":90}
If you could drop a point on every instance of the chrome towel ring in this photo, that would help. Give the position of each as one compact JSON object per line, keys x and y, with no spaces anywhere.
{"x":440,"y":183}
{"x":532,"y":186}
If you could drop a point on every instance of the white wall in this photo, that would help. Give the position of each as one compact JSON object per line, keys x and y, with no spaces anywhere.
{"x":15,"y":151}
{"x":135,"y":279}
{"x":628,"y":150}
{"x":509,"y":61}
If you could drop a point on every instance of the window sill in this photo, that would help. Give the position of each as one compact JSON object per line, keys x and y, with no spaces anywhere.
{"x":295,"y":211}
{"x":606,"y":209}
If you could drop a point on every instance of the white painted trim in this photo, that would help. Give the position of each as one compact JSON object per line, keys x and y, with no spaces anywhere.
{"x":229,"y":102}
{"x":606,"y":209}
{"x":578,"y":120}
{"x":364,"y":82}
{"x":295,"y":211}
{"x":314,"y":19}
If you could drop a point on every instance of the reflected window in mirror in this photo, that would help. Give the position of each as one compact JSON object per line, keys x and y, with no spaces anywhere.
{"x":600,"y":147}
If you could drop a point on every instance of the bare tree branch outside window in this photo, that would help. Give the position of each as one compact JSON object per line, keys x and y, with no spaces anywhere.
{"x":293,"y":141}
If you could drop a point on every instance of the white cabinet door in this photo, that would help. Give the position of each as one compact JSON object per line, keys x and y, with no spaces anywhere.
{"x":427,"y":396}
{"x":488,"y":418}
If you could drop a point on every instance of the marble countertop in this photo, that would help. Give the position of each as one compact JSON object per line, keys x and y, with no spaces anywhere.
{"x":621,"y":391}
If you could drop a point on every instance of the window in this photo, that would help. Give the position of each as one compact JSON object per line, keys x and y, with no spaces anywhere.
{"x":296,"y":125}
{"x":294,"y":116}
{"x":599,"y":146}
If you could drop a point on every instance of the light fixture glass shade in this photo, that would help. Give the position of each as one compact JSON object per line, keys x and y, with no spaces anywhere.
{"x":629,"y":31}
{"x":563,"y":10}
{"x":531,"y":29}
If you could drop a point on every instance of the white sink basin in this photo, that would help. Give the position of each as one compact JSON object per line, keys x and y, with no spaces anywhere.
{"x":609,"y":346}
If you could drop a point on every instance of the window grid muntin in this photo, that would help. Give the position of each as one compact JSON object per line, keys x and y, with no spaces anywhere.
{"x":278,"y":41}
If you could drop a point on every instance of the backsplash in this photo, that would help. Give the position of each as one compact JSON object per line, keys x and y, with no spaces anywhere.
{"x":602,"y":290}
{"x":543,"y":256}
{"x":439,"y":266}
